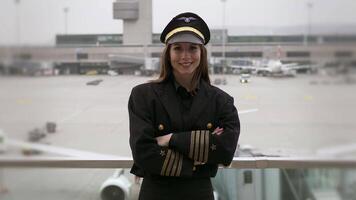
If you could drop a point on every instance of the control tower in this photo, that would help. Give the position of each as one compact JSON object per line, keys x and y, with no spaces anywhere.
{"x":137,"y":20}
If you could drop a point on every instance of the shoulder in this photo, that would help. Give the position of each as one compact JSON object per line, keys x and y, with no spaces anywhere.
{"x":141,"y":88}
{"x":219,"y":93}
{"x":140,"y":95}
{"x":145,"y":89}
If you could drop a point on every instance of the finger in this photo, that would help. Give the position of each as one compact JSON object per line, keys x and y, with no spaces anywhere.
{"x":220,"y":131}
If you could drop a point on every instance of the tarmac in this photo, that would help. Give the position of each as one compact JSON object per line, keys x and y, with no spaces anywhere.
{"x":305,"y":115}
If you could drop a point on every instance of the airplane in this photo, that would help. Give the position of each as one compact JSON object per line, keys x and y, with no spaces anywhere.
{"x":273,"y":68}
{"x":270,"y":67}
{"x":112,"y":73}
{"x":116,"y":187}
{"x":276,"y":68}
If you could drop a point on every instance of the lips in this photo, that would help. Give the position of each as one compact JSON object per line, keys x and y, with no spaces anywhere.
{"x":186,"y":64}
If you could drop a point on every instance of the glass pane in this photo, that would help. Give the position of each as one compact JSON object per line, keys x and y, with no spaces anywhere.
{"x":229,"y":184}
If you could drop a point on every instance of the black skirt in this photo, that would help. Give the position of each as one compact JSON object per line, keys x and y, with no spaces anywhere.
{"x":162,"y":188}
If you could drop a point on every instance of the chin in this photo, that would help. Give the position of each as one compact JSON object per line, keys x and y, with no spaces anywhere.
{"x":185,"y":72}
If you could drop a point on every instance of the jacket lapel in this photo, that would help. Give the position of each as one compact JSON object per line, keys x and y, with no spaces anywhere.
{"x":168,"y":97}
{"x":200,"y":101}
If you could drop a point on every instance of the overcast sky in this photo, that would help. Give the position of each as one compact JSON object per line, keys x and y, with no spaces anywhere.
{"x":40,"y":20}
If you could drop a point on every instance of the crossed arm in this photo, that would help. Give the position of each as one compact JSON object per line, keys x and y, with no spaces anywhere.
{"x":175,"y":154}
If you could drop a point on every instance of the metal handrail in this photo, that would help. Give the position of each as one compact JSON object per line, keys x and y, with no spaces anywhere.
{"x":126,"y":162}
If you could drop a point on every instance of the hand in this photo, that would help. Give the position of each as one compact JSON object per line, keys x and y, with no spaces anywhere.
{"x":218,"y":131}
{"x":137,"y":180}
{"x":163,"y":141}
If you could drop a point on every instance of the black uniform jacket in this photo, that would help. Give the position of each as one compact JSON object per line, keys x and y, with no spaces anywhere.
{"x":193,"y":150}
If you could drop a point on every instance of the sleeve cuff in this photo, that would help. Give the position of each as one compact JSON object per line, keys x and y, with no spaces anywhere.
{"x":172,"y":141}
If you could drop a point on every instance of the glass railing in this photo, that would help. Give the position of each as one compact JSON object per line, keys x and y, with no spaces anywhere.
{"x":256,"y":178}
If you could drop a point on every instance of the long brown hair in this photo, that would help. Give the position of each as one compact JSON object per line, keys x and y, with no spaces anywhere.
{"x":201,"y":72}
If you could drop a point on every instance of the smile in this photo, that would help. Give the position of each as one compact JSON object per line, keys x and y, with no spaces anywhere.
{"x":186,"y":64}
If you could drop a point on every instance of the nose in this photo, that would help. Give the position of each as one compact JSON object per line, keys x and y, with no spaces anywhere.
{"x":186,"y":54}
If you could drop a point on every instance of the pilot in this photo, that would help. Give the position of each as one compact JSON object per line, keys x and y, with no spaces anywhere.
{"x":181,"y":127}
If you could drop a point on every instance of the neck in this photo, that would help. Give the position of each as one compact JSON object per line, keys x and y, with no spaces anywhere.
{"x":185,"y":81}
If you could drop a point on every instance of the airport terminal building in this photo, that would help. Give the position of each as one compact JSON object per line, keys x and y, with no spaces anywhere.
{"x":137,"y":49}
{"x":79,"y":54}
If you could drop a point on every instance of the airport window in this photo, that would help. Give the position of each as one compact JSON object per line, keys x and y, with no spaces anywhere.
{"x":343,"y":54}
{"x":23,"y":56}
{"x":156,"y":38}
{"x":298,"y":54}
{"x":242,"y":62}
{"x":344,"y":38}
{"x":109,"y":39}
{"x":252,"y":54}
{"x":88,"y":39}
{"x":269,"y":39}
{"x":156,"y":54}
{"x":81,"y":56}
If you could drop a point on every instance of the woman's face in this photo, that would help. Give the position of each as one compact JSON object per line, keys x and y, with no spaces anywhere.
{"x":185,"y":58}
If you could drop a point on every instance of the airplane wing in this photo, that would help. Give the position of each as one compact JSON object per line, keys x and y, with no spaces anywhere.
{"x":243,"y":67}
{"x":290,"y":65}
{"x":295,"y":66}
{"x":64,"y":151}
{"x":263,"y":69}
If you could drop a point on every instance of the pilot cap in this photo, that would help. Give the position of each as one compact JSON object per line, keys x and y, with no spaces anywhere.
{"x":186,"y":27}
{"x":185,"y":37}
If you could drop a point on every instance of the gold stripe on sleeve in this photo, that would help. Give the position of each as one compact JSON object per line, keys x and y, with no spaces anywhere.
{"x":206,"y":144}
{"x":180,"y":165}
{"x":201,"y":152}
{"x":164,"y":167}
{"x":192,"y":137}
{"x":171,"y":160}
{"x":196,"y":146}
{"x":175,"y":164}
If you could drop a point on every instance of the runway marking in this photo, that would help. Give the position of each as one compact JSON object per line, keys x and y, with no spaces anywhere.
{"x":248,"y":111}
{"x":75,"y":114}
{"x":23,"y":101}
{"x":308,"y":97}
{"x":250,"y":97}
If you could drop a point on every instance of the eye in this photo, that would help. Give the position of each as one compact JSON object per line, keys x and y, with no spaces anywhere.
{"x":176,"y":48}
{"x":194,"y":47}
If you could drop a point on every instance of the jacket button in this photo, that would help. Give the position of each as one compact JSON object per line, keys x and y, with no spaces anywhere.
{"x":160,"y":127}
{"x":209,"y":125}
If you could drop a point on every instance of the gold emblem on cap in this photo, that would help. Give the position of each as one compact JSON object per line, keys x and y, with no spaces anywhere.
{"x":160,"y":127}
{"x":209,"y":125}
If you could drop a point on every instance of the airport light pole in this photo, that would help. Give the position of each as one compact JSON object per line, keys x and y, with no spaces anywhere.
{"x":18,"y":25}
{"x":308,"y":31}
{"x":66,"y":10}
{"x":223,"y":36}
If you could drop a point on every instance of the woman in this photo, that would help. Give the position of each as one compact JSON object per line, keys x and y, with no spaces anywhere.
{"x":181,"y":127}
